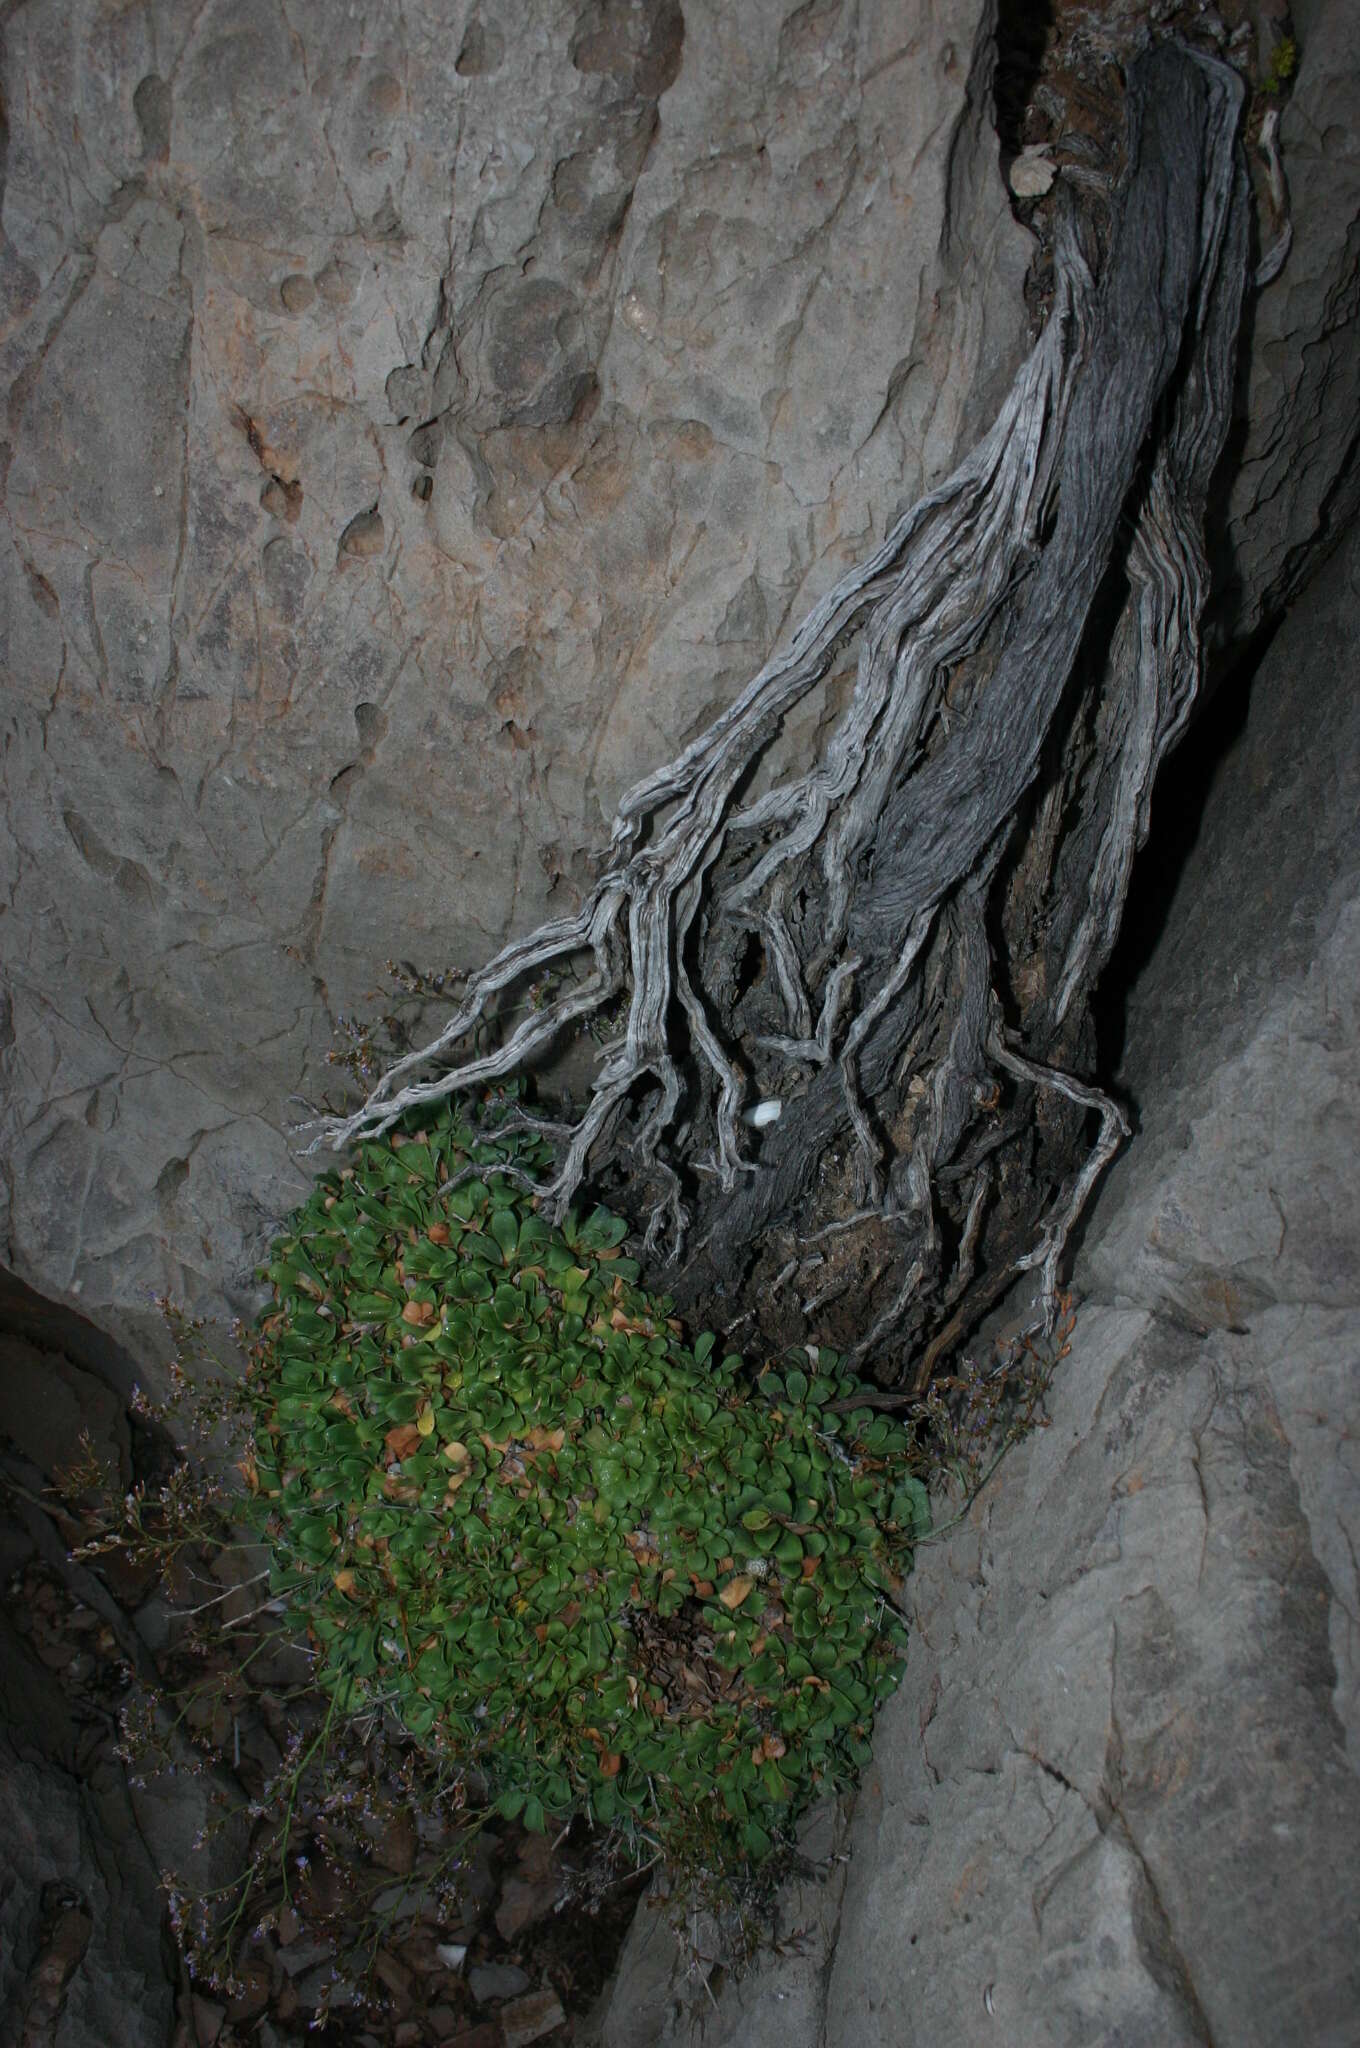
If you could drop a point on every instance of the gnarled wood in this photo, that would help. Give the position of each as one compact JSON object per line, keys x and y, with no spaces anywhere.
{"x":898,"y":945}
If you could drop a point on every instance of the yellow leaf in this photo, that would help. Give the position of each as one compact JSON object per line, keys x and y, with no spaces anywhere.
{"x":345,"y":1581}
{"x":425,"y":1421}
{"x":735,"y":1591}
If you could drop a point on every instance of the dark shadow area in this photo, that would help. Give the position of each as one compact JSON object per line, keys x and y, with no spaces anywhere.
{"x":1022,"y":31}
{"x":51,"y":1326}
{"x":1180,"y":797}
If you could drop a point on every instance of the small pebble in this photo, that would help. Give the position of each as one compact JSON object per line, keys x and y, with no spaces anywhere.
{"x":528,"y":2019}
{"x":496,"y":1980}
{"x":1032,"y":173}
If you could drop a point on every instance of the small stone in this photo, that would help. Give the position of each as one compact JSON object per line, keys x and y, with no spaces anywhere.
{"x":442,"y":2022}
{"x":522,"y":1903}
{"x":253,"y":1996}
{"x":1032,"y":173}
{"x":496,"y":1980}
{"x":528,"y":2019}
{"x":322,"y":1984}
{"x":209,"y":2020}
{"x":297,"y":292}
{"x":300,"y":1956}
{"x":452,"y":1954}
{"x":393,"y":1974}
{"x":395,"y":1849}
{"x":365,"y":535}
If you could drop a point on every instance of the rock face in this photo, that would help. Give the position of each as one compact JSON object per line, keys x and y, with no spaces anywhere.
{"x":1295,"y":472}
{"x":1116,"y":1798}
{"x":422,"y":419}
{"x":419,"y":424}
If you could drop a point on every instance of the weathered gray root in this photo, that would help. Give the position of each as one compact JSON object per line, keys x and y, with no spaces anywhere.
{"x":931,"y":902}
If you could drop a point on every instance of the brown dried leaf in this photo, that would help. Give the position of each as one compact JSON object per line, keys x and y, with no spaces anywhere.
{"x":419,"y":1313}
{"x":735,"y":1591}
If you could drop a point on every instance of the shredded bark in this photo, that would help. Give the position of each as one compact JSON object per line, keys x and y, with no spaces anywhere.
{"x":854,"y":1061}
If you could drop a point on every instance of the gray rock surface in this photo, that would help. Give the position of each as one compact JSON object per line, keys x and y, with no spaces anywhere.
{"x":1116,"y":1798}
{"x":1296,"y":475}
{"x":420,"y":422}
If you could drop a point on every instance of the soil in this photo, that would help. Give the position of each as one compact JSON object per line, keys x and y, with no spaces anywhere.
{"x":485,"y":1934}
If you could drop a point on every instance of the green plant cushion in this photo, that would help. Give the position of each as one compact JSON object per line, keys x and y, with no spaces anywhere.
{"x":508,"y":1502}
